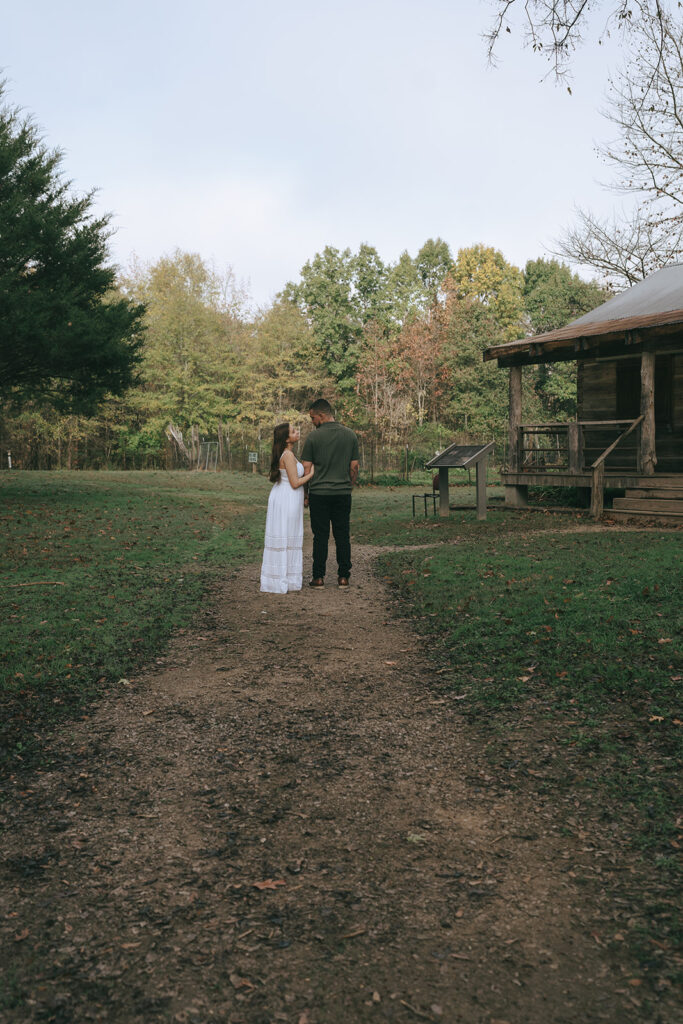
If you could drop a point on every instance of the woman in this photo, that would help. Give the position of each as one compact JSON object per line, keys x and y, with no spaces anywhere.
{"x":282,"y":566}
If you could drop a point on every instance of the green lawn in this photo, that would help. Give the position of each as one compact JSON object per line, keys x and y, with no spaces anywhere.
{"x":562,"y":653}
{"x":560,"y":649}
{"x":587,"y":617}
{"x":565,"y":650}
{"x":97,"y":570}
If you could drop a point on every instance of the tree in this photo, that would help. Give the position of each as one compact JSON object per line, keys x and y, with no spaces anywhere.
{"x":553,"y":296}
{"x":647,"y":157}
{"x":189,"y":372}
{"x":484,"y":306}
{"x":325,"y":295}
{"x":66,"y":335}
{"x":423,"y":371}
{"x":433,"y":264}
{"x":385,"y":405}
{"x":406,"y":290}
{"x":555,"y":28}
{"x":370,"y":282}
{"x":621,"y":249}
{"x":282,"y":368}
{"x":645,"y":106}
{"x":482,"y":272}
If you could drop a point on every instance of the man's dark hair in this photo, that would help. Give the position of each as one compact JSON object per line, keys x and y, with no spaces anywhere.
{"x":322,"y":406}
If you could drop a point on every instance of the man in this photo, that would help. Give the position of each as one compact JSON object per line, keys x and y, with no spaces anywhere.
{"x":333,"y":450}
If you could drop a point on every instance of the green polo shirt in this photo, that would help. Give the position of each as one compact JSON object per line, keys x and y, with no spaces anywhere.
{"x":331,"y":447}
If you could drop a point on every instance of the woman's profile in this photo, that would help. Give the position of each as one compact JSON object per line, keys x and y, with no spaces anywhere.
{"x":282,"y":566}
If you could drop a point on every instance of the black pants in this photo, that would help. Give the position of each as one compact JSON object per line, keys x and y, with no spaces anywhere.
{"x":334,"y":509}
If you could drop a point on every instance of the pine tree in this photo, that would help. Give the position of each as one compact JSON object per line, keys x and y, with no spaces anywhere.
{"x":66,"y":335}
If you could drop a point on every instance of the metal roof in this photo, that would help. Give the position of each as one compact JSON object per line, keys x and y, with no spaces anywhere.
{"x":655,"y":302}
{"x":661,"y":292}
{"x":459,"y":456}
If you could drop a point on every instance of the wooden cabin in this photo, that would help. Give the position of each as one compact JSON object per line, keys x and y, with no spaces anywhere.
{"x":628,"y":434}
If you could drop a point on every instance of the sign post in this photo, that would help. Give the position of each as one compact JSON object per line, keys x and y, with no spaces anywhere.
{"x":253,"y":458}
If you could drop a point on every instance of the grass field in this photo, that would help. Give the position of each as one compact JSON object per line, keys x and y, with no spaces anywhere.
{"x":559,"y":646}
{"x":97,"y":570}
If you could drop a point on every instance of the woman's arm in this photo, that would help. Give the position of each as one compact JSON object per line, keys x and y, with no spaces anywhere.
{"x":289,"y":464}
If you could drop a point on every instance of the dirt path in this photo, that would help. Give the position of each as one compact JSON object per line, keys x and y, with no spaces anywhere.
{"x":281,"y":822}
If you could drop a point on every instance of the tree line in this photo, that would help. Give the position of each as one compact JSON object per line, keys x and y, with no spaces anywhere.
{"x":137,"y":369}
{"x":396,"y":347}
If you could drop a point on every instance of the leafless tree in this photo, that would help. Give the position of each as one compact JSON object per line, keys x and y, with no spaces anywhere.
{"x":621,"y":250}
{"x":555,"y":28}
{"x":646,"y":106}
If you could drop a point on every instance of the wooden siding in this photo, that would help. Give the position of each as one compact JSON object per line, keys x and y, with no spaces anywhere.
{"x":597,"y":391}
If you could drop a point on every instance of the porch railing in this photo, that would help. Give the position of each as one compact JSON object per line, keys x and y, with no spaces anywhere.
{"x":573,"y":447}
{"x":598,"y":468}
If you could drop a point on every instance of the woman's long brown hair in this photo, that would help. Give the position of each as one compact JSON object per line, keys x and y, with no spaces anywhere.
{"x":280,"y":438}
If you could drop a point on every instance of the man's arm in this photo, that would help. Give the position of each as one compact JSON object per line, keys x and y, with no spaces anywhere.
{"x":308,"y":466}
{"x":354,"y":467}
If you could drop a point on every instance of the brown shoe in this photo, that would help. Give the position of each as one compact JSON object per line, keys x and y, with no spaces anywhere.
{"x":317,"y":583}
{"x":343,"y":581}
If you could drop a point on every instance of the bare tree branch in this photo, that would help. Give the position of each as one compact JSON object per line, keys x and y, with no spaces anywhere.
{"x":645,"y":106}
{"x":622,"y":251}
{"x":555,"y":28}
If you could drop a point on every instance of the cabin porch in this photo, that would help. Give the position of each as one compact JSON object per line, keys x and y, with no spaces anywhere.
{"x":596,"y":455}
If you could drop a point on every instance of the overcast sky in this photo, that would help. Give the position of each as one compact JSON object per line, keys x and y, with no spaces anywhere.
{"x":256,"y":132}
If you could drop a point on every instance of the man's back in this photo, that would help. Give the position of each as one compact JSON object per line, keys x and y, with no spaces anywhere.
{"x":331,"y":447}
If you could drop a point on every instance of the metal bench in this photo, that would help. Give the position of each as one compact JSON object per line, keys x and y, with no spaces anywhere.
{"x":426,"y":496}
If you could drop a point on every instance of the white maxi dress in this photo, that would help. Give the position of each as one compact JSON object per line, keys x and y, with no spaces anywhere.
{"x":282,"y":567}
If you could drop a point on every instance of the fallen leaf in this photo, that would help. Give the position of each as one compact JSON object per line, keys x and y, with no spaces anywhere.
{"x":20,"y":936}
{"x":414,"y":1009}
{"x":238,"y":982}
{"x":357,"y":931}
{"x":130,"y":945}
{"x":664,"y":640}
{"x":656,"y":718}
{"x":269,"y":884}
{"x":391,"y":663}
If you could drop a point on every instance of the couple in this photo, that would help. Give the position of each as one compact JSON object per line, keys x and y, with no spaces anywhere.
{"x":323,"y":482}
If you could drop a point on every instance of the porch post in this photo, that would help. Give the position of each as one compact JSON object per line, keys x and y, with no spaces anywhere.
{"x":647,"y":409}
{"x":574,"y":446}
{"x":515,"y":417}
{"x":515,"y":496}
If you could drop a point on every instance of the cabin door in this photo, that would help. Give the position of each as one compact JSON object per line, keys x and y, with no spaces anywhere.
{"x":628,"y":391}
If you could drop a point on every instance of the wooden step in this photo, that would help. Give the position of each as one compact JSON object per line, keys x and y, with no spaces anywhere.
{"x":661,"y":480}
{"x":646,"y":504}
{"x":669,"y":518}
{"x":670,"y":493}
